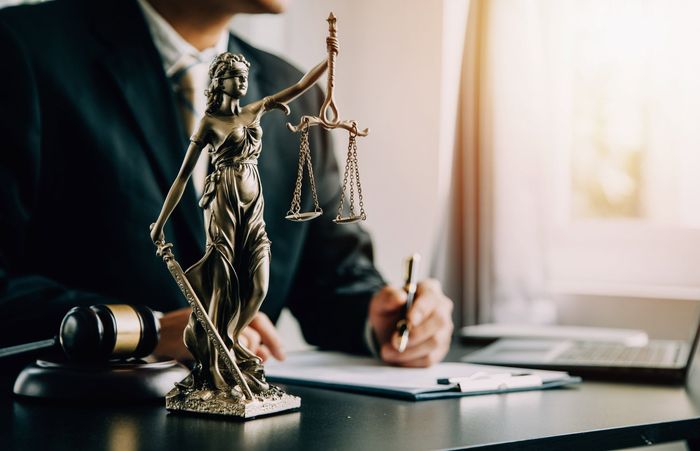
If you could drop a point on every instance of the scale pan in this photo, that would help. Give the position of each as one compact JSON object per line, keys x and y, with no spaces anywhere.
{"x":348,"y":219}
{"x":300,"y":217}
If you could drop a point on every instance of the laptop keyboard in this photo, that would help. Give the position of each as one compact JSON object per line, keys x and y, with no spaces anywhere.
{"x":655,"y":354}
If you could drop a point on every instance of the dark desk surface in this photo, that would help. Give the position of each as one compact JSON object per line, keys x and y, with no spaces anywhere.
{"x":588,"y":416}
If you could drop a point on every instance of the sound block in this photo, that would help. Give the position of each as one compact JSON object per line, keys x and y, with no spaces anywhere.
{"x":116,"y":381}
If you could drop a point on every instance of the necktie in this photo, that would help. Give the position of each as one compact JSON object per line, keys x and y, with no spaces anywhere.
{"x":189,"y":79}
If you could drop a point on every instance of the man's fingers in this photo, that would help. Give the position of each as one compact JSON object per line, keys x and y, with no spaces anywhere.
{"x":438,"y":337}
{"x":268,"y":335}
{"x":440,"y":320}
{"x":429,"y":285}
{"x":423,"y":307}
{"x":170,"y":342}
{"x":176,"y":318}
{"x":391,"y":355}
{"x":430,"y":321}
{"x":425,"y":330}
{"x":384,"y":310}
{"x":250,"y":338}
{"x":428,"y":298}
{"x":263,"y":352}
{"x":389,"y":300}
{"x":424,"y":354}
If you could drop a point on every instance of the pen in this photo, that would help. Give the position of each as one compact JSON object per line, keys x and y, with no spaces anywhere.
{"x":410,"y":289}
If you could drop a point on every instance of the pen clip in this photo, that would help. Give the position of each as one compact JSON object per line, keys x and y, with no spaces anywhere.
{"x":411,"y":274}
{"x":410,"y":286}
{"x":484,"y":382}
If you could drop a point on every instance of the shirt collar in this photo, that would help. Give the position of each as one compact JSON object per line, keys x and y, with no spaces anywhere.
{"x":171,"y":46}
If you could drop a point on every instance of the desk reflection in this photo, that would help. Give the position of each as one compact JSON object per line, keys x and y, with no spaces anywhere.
{"x":51,"y":425}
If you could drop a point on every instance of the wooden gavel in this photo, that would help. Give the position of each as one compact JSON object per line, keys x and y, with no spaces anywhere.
{"x":101,"y":333}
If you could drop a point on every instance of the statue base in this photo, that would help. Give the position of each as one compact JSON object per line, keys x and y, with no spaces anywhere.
{"x":232,"y":404}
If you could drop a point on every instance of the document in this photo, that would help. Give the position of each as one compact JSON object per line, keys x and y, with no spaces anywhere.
{"x":443,"y":380}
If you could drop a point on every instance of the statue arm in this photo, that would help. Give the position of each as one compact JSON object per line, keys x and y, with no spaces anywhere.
{"x":307,"y":81}
{"x":176,"y":190}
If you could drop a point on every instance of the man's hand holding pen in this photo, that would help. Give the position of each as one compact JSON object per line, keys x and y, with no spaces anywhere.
{"x":424,"y":325}
{"x":429,"y":321}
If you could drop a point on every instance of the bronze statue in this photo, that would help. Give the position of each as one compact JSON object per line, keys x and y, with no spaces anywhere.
{"x":231,"y":279}
{"x":228,"y":284}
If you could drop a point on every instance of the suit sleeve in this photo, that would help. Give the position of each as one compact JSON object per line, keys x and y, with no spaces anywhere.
{"x":336,"y":277}
{"x":31,"y":305}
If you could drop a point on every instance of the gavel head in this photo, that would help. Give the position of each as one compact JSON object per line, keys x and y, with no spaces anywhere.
{"x":105,"y":332}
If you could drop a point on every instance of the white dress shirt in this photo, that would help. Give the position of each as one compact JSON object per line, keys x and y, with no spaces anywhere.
{"x":175,"y":51}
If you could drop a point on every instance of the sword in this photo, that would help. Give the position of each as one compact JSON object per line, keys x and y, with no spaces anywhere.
{"x":165,"y":250}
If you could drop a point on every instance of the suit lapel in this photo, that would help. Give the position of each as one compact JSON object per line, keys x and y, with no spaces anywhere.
{"x":135,"y":65}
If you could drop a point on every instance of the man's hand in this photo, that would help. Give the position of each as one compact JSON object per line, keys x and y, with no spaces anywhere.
{"x":171,"y":343}
{"x":430,"y":322}
{"x":260,"y":337}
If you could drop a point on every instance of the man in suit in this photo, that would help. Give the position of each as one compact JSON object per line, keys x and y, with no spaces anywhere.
{"x":92,"y":140}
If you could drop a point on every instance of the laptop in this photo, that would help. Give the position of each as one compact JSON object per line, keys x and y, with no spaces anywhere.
{"x":662,"y":361}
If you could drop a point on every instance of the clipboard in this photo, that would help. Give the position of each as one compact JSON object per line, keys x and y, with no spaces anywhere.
{"x":367,"y":375}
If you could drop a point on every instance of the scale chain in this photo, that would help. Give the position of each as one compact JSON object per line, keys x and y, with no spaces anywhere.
{"x":344,"y":187}
{"x":310,"y":169}
{"x":295,"y":208}
{"x":351,"y":167}
{"x":357,"y":178}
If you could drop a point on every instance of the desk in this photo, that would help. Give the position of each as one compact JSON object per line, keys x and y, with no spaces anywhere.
{"x":592,"y":415}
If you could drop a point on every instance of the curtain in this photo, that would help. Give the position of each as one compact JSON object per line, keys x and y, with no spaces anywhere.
{"x":462,"y":257}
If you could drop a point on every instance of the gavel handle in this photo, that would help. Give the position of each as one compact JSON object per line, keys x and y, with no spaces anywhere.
{"x":28,"y":347}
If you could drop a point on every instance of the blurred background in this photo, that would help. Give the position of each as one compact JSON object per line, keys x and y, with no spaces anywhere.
{"x":542,"y":155}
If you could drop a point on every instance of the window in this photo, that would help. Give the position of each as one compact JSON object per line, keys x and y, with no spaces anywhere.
{"x":596,"y":148}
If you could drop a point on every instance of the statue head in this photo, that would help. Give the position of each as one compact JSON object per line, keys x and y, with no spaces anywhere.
{"x":229,"y":75}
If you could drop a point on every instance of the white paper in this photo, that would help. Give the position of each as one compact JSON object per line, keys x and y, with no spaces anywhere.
{"x":329,"y":368}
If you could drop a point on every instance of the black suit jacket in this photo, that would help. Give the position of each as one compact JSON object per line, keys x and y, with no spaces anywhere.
{"x":92,"y":141}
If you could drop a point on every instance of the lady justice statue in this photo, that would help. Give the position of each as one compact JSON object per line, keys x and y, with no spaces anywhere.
{"x":228,"y":284}
{"x":231,"y":279}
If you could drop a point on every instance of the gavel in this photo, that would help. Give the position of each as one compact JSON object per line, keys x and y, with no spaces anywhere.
{"x":100,"y":333}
